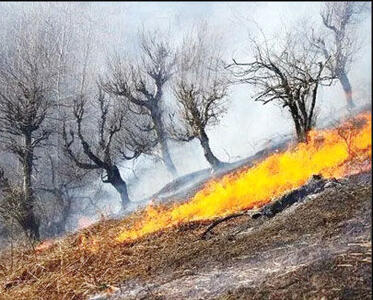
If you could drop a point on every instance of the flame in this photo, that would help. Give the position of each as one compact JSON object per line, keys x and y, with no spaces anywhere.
{"x":88,"y":242}
{"x":330,"y":153}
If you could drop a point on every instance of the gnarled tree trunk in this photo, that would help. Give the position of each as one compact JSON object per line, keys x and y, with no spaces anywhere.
{"x":301,"y":130}
{"x":159,"y":127}
{"x":119,"y":184}
{"x":210,"y":157}
{"x":57,"y":228}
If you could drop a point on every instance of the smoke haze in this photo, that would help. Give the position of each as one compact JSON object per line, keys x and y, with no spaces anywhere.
{"x":247,"y":126}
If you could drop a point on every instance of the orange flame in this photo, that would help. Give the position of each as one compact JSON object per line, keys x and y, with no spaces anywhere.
{"x":87,"y":242}
{"x":330,"y":153}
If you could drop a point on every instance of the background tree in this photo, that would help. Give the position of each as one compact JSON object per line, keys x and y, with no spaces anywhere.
{"x":117,"y":135}
{"x":142,"y":84}
{"x":200,"y":88}
{"x":59,"y":187}
{"x":340,"y":41}
{"x":11,"y":212}
{"x":288,"y":74}
{"x":27,"y":81}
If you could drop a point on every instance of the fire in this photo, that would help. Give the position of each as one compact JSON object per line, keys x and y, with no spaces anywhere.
{"x":330,"y":153}
{"x":87,"y":242}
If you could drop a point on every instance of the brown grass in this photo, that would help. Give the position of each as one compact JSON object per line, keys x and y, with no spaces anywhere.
{"x":344,"y":276}
{"x":90,"y":261}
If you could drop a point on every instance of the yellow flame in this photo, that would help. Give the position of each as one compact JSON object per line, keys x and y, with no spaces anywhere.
{"x":88,"y":243}
{"x":327,"y":153}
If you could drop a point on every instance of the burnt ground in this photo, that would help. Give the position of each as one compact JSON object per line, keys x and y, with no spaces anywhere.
{"x":318,"y":248}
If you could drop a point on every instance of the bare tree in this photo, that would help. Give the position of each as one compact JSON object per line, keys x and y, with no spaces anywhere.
{"x":27,"y":78}
{"x":60,"y":182}
{"x":143,"y":85}
{"x":12,"y":212}
{"x":289,"y":75}
{"x":200,"y":88}
{"x":117,"y":135}
{"x":340,"y":40}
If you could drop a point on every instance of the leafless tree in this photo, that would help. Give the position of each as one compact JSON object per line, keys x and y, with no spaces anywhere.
{"x":200,"y":88}
{"x":142,"y":84}
{"x":288,"y":74}
{"x":118,"y":138}
{"x":27,"y":76}
{"x":13,"y":216}
{"x":340,"y":41}
{"x":59,"y":185}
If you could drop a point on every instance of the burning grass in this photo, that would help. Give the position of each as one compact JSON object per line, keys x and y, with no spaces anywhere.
{"x":71,"y":270}
{"x":93,"y":260}
{"x":330,"y":153}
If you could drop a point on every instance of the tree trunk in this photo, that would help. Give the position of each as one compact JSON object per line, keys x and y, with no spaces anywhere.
{"x":167,"y":157}
{"x":159,"y":127}
{"x":65,"y":202}
{"x":29,"y":222}
{"x":346,"y":85}
{"x":57,"y":227}
{"x":302,"y":127}
{"x":210,"y":157}
{"x":302,"y":131}
{"x":119,"y":184}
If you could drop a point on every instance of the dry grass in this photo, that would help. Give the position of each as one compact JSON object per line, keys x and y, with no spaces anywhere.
{"x":91,"y":261}
{"x":344,"y":276}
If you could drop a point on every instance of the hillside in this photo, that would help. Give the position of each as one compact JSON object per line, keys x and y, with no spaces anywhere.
{"x":176,"y":150}
{"x":290,"y":224}
{"x":319,"y":246}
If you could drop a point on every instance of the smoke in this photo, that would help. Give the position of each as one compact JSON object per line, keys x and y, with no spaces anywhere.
{"x":247,"y":126}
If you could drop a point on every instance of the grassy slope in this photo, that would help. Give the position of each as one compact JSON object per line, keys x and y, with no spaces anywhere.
{"x":70,"y":270}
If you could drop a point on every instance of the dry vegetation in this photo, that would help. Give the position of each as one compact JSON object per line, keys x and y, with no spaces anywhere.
{"x":90,"y":261}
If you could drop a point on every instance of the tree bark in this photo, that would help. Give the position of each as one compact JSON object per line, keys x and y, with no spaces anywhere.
{"x":210,"y":157}
{"x":65,"y":202}
{"x":30,"y":222}
{"x":159,"y":127}
{"x":346,"y":85}
{"x":299,"y":129}
{"x":119,"y":184}
{"x":302,"y":131}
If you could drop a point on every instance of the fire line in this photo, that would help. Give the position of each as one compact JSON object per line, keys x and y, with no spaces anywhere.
{"x":335,"y":152}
